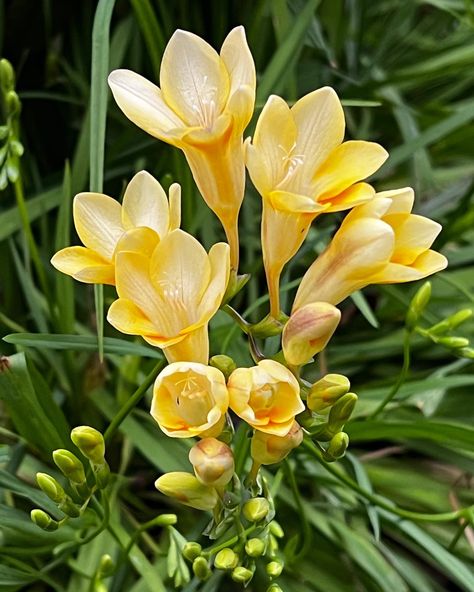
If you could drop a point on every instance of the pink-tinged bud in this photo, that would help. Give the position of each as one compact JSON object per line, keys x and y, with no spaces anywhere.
{"x":186,"y":488}
{"x":268,"y":449}
{"x":308,"y":331}
{"x":213,"y":462}
{"x":326,"y":391}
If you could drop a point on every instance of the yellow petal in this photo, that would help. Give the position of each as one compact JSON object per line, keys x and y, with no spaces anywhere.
{"x":402,"y":199}
{"x":84,"y":265}
{"x":345,"y":165}
{"x":127,"y":318}
{"x":426,"y":264}
{"x":294,"y":203}
{"x":357,"y":194}
{"x":193,"y":347}
{"x":413,"y":235}
{"x":98,"y":222}
{"x":219,"y":259}
{"x":145,"y":204}
{"x":142,"y":102}
{"x":193,"y":79}
{"x":174,"y":207}
{"x":138,"y":240}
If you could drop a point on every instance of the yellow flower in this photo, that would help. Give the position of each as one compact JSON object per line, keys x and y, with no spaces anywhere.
{"x":203,"y":106}
{"x":301,"y":168}
{"x":308,"y":331}
{"x":169,"y":297}
{"x":190,"y":399}
{"x":380,"y":242}
{"x":185,"y":488}
{"x":105,"y":227}
{"x":213,"y":462}
{"x":267,"y":449}
{"x":266,"y":396}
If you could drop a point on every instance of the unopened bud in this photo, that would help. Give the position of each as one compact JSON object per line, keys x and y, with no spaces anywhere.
{"x":69,"y":465}
{"x":43,"y":520}
{"x":272,"y":549}
{"x":90,"y":442}
{"x":276,"y":529}
{"x":213,"y":462}
{"x":274,"y":568}
{"x":242,"y":575}
{"x":327,"y":391}
{"x":191,"y":550}
{"x":267,"y":449}
{"x":308,"y":331}
{"x":201,"y":568}
{"x":223,"y":363}
{"x":7,"y":75}
{"x":50,"y":487}
{"x":451,"y":322}
{"x":338,"y":445}
{"x":188,"y":490}
{"x":12,"y":102}
{"x":255,"y":547}
{"x":341,"y":412}
{"x":269,"y":326}
{"x":166,"y":520}
{"x":274,"y":588}
{"x":256,"y":509}
{"x":106,"y":566}
{"x":466,"y":352}
{"x":418,"y":304}
{"x":453,"y":342}
{"x":226,"y":559}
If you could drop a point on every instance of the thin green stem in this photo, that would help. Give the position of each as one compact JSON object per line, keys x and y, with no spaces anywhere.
{"x":401,"y":378}
{"x":378,"y":500}
{"x":462,"y":527}
{"x":133,"y":401}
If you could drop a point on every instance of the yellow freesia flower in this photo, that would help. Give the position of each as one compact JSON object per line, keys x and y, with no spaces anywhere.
{"x":105,"y":228}
{"x":266,"y":396}
{"x":203,"y":105}
{"x":169,"y":297}
{"x":301,"y":168}
{"x":213,"y":462}
{"x":379,"y":242}
{"x":190,"y":399}
{"x":186,"y":488}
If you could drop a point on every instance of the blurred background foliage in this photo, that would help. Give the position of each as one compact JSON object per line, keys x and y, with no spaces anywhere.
{"x":404,"y":73}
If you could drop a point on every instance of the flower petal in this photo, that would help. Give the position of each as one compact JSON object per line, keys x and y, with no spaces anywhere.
{"x":219,"y":259}
{"x":192,"y":347}
{"x":138,"y":240}
{"x":174,"y":207}
{"x":145,"y":204}
{"x":402,"y":199}
{"x":294,"y":203}
{"x":125,"y":316}
{"x":84,"y":265}
{"x":426,"y":264}
{"x":355,"y":195}
{"x":413,"y":235}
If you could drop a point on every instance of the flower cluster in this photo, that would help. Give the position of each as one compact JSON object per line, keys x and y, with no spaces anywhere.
{"x":169,"y":287}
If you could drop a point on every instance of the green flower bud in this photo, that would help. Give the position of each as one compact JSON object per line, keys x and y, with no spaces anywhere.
{"x":201,"y":568}
{"x":256,"y":509}
{"x":7,"y":75}
{"x":341,"y":412}
{"x":50,"y":487}
{"x":451,"y":322}
{"x":276,"y":529}
{"x":338,"y":445}
{"x":255,"y":547}
{"x":43,"y":520}
{"x":90,"y":442}
{"x":453,"y":342}
{"x":166,"y":520}
{"x":272,"y":548}
{"x":69,"y":465}
{"x":274,"y":588}
{"x":191,"y":550}
{"x":466,"y":352}
{"x":106,"y":566}
{"x":242,"y":575}
{"x":12,"y":102}
{"x":226,"y":559}
{"x":236,"y":283}
{"x":223,"y":363}
{"x":274,"y":568}
{"x":418,"y":304}
{"x":327,"y":391}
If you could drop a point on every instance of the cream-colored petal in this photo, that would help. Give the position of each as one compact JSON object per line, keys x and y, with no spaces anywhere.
{"x":345,"y":165}
{"x":294,"y":203}
{"x":174,"y":207}
{"x":98,"y":222}
{"x":125,"y":316}
{"x":241,"y":105}
{"x":355,"y":195}
{"x":320,"y":121}
{"x":142,"y":102}
{"x":193,"y":79}
{"x":145,"y":204}
{"x":402,"y":199}
{"x":138,"y":240}
{"x":413,"y":235}
{"x":219,"y":259}
{"x":84,"y":265}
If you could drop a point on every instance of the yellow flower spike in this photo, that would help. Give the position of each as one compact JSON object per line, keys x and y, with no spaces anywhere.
{"x":268,"y":449}
{"x":213,"y":462}
{"x":190,"y":399}
{"x":203,"y":106}
{"x":308,"y":331}
{"x":379,"y":242}
{"x":301,"y":168}
{"x":186,"y":489}
{"x":105,"y":228}
{"x":266,"y":396}
{"x":170,"y":297}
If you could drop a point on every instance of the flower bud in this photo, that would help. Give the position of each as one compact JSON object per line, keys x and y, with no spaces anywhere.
{"x":274,"y":568}
{"x":256,"y":509}
{"x":459,"y":317}
{"x":338,"y":445}
{"x":43,"y":520}
{"x":213,"y":462}
{"x":327,"y":391}
{"x":191,"y":550}
{"x":226,"y":559}
{"x":90,"y":442}
{"x":418,"y":304}
{"x":453,"y":342}
{"x":242,"y":575}
{"x":308,"y":331}
{"x":201,"y":568}
{"x":69,"y":465}
{"x":106,"y":566}
{"x":13,"y":103}
{"x":466,"y":352}
{"x":267,"y":449}
{"x":276,"y":530}
{"x":274,"y":588}
{"x":223,"y":363}
{"x":188,"y":490}
{"x":7,"y":75}
{"x":255,"y":547}
{"x":341,"y":412}
{"x":50,"y":487}
{"x":166,"y":520}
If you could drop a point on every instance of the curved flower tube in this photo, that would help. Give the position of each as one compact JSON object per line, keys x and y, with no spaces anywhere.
{"x":300,"y":166}
{"x":203,"y":105}
{"x":105,"y":228}
{"x":379,"y":242}
{"x":169,"y":297}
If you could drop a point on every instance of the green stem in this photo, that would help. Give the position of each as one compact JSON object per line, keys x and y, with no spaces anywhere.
{"x":462,"y":527}
{"x":378,"y":500}
{"x":401,"y":378}
{"x":229,"y":542}
{"x":133,"y":401}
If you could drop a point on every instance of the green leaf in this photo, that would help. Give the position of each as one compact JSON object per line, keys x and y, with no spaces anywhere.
{"x":360,"y":301}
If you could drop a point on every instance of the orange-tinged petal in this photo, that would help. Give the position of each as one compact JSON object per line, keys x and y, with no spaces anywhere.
{"x":127,"y":318}
{"x":426,"y":264}
{"x":138,"y":240}
{"x":355,"y":195}
{"x":413,"y":235}
{"x":193,"y":79}
{"x":84,"y":265}
{"x":142,"y":102}
{"x":98,"y":222}
{"x":345,"y":165}
{"x":294,"y":203}
{"x":145,"y":204}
